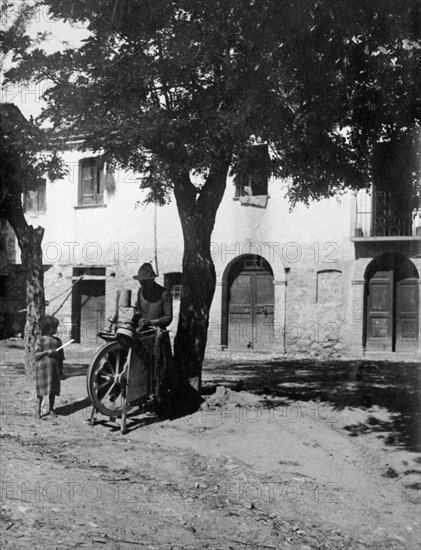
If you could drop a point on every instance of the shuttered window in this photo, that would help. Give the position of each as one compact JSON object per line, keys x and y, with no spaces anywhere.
{"x":91,"y":184}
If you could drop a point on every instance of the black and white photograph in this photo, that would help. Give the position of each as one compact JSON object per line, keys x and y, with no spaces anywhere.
{"x":210,"y":260}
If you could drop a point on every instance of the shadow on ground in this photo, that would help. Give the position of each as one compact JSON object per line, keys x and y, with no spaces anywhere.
{"x":71,"y":408}
{"x":357,"y":384}
{"x":75,"y":369}
{"x":393,"y":386}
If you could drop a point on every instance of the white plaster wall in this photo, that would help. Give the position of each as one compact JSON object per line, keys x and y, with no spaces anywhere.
{"x":120,"y":232}
{"x":282,"y":236}
{"x":116,"y":233}
{"x":120,"y":236}
{"x":326,"y":220}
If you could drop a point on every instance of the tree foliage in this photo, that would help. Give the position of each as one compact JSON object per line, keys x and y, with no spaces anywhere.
{"x":25,"y":163}
{"x":26,"y":154}
{"x":13,"y":37}
{"x":171,"y":87}
{"x":167,"y":86}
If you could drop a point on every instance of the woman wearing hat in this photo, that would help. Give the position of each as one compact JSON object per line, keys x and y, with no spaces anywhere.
{"x":154,"y":302}
{"x":154,"y":309}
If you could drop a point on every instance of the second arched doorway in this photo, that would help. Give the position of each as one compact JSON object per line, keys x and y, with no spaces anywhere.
{"x":391,"y":304}
{"x":248,"y":304}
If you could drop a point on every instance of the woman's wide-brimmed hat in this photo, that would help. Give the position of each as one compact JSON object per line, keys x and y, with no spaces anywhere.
{"x":145,"y":273}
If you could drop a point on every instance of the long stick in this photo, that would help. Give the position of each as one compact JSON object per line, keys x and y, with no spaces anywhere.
{"x":64,"y":345}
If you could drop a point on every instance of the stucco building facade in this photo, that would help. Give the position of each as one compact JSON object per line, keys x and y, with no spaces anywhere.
{"x":329,"y":279}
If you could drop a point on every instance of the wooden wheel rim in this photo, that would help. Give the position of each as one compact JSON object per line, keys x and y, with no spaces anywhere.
{"x":104,"y":390}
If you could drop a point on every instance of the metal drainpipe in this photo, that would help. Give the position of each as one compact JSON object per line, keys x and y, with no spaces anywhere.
{"x":287,"y":270}
{"x":155,"y":239}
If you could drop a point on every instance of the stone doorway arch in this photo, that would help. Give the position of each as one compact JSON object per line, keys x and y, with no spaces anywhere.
{"x":248,"y":299}
{"x":391,"y":304}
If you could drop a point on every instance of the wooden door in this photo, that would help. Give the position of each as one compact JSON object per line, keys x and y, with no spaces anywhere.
{"x":407,"y":315}
{"x":263,"y":309}
{"x":251,"y":310}
{"x":88,"y":310}
{"x":240,"y":312}
{"x":92,"y":317}
{"x":380,"y":312}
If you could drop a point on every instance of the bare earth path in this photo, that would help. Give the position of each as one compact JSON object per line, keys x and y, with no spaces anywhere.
{"x":254,"y":469}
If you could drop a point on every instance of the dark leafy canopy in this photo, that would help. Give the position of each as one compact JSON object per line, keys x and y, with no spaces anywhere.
{"x":167,"y":86}
{"x":23,"y":146}
{"x":13,"y":33}
{"x":23,"y":163}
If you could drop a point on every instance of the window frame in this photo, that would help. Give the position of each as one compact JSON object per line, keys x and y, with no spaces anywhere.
{"x":253,"y":176}
{"x":172,"y":281}
{"x":37,"y":206}
{"x":98,"y":183}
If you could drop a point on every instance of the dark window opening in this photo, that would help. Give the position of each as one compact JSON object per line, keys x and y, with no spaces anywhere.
{"x":253,"y":172}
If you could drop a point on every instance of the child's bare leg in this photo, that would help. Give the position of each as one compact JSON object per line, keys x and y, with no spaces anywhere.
{"x":38,"y":411}
{"x":52,"y":398}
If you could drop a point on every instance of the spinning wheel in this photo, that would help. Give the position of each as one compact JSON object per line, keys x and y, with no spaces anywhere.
{"x":106,"y":387}
{"x":126,"y":373}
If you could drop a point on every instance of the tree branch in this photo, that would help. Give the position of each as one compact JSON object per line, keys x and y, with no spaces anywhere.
{"x":213,"y":190}
{"x":13,"y":212}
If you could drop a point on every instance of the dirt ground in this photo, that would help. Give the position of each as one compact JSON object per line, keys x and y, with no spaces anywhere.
{"x":285,"y":454}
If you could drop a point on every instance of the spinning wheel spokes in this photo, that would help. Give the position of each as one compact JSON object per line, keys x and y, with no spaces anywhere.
{"x":103,"y":379}
{"x":119,"y":373}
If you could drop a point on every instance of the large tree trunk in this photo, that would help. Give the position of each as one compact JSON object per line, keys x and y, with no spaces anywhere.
{"x":197,"y":219}
{"x":29,"y":240}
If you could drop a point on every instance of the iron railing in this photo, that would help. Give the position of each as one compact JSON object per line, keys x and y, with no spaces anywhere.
{"x":377,"y":218}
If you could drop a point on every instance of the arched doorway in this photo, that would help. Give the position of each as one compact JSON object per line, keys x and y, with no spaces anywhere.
{"x":391,"y":304}
{"x":248,"y":304}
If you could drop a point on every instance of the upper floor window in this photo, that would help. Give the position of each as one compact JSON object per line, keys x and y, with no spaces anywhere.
{"x":91,"y":184}
{"x":35,"y":201}
{"x":172,"y":281}
{"x":254,"y":172}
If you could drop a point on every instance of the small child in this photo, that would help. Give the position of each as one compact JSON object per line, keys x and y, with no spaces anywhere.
{"x":49,"y":369}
